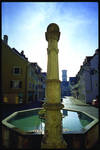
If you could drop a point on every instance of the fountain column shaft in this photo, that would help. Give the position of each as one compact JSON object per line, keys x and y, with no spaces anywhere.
{"x":53,"y":84}
{"x":52,"y":68}
{"x":53,"y":122}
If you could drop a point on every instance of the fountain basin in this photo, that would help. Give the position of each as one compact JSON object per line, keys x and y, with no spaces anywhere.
{"x":24,"y":129}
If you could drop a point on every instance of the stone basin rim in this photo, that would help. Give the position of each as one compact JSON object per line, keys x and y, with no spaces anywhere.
{"x":12,"y":127}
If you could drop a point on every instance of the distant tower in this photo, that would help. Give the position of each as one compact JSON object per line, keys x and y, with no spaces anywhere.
{"x":5,"y":39}
{"x":64,"y":75}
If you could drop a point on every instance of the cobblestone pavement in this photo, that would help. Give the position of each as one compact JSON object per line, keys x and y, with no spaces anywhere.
{"x":72,"y":103}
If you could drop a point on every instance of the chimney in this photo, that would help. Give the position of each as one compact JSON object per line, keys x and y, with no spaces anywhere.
{"x":97,"y":51}
{"x":22,"y":53}
{"x":5,"y":39}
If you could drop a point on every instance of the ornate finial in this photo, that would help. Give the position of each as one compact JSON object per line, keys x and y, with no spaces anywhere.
{"x":53,"y":28}
{"x":52,"y":32}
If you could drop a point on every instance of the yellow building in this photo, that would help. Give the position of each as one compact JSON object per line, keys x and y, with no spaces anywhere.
{"x":13,"y":74}
{"x":21,"y":80}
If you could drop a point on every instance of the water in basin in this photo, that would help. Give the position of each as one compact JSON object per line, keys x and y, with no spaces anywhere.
{"x":30,"y":121}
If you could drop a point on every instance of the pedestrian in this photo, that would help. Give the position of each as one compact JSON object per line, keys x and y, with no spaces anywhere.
{"x":77,"y":93}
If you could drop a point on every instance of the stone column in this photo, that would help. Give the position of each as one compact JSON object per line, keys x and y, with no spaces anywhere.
{"x":53,"y":138}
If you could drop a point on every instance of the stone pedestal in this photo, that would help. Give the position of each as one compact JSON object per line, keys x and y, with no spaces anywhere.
{"x":53,"y":138}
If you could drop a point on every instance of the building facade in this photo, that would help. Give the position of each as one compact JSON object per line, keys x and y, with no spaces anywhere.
{"x":36,"y":83}
{"x":86,"y":88}
{"x":44,"y":75}
{"x":72,"y":83}
{"x":22,"y":81}
{"x":13,"y":74}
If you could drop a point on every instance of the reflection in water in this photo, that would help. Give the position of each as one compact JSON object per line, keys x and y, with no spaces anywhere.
{"x":64,"y":112}
{"x":72,"y":121}
{"x":27,"y":123}
{"x":84,"y":119}
{"x":41,"y":127}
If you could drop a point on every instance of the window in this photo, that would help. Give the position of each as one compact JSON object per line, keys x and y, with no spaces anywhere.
{"x":20,"y":95}
{"x":36,"y":87}
{"x":17,"y":70}
{"x":15,"y":84}
{"x":30,"y":85}
{"x":33,"y":86}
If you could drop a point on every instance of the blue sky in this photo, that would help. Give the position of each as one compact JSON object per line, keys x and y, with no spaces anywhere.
{"x":25,"y":23}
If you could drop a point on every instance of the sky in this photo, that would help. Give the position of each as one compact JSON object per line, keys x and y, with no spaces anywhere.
{"x":25,"y":23}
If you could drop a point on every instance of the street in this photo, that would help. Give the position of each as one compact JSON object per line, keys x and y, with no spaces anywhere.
{"x":72,"y":103}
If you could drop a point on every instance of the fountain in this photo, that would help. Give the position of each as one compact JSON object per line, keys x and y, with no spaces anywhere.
{"x":52,"y":126}
{"x":53,"y":119}
{"x":25,"y":129}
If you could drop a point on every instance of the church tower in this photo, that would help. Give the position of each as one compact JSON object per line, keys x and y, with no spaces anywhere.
{"x":64,"y":75}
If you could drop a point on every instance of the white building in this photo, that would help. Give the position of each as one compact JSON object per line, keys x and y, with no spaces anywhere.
{"x":94,"y":63}
{"x":88,"y":82}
